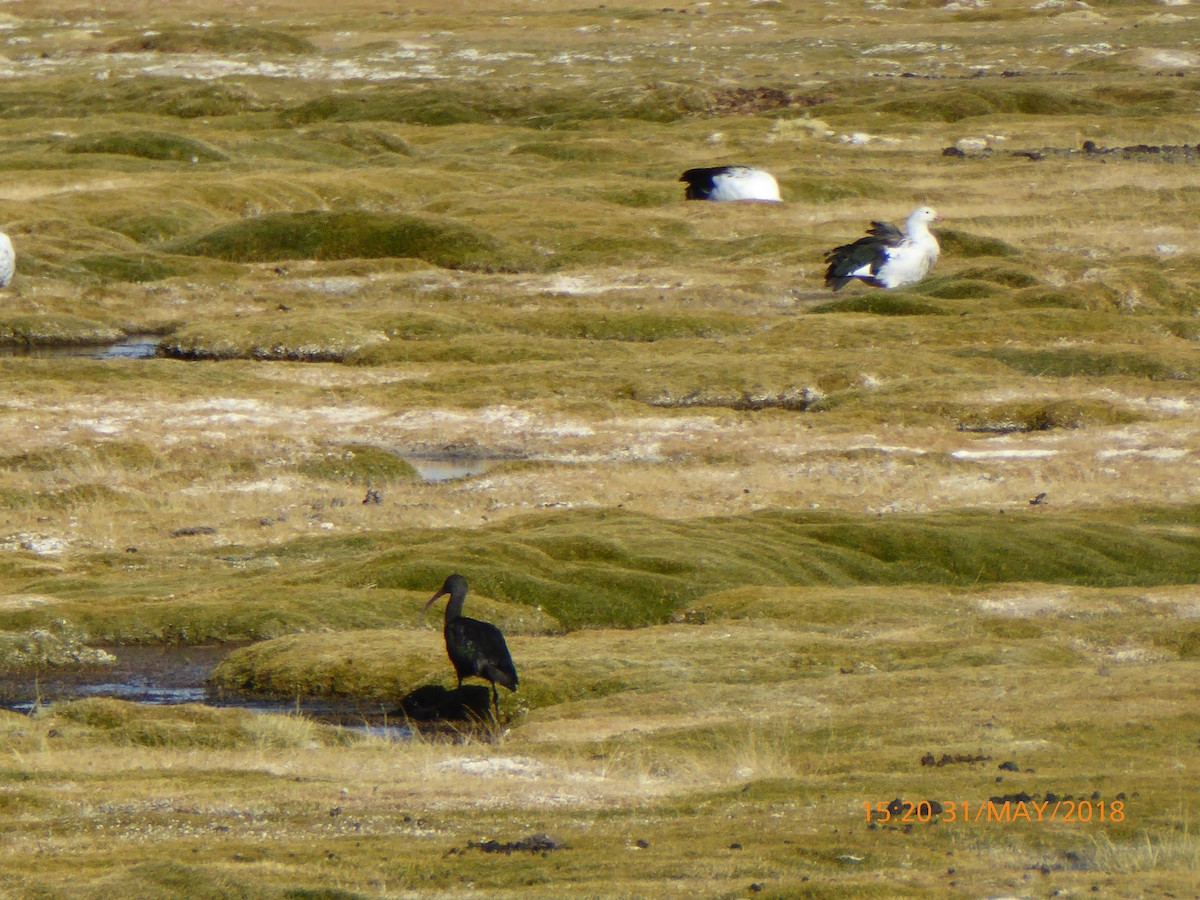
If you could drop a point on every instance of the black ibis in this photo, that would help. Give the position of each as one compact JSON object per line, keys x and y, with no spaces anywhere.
{"x":887,"y":257}
{"x":476,"y":648}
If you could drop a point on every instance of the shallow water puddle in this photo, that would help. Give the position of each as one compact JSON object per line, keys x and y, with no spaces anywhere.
{"x":132,"y":347}
{"x":171,"y":675}
{"x":447,"y":468}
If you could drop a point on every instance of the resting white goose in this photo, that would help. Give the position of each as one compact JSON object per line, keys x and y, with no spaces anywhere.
{"x":730,"y":183}
{"x":8,"y":260}
{"x":886,"y":257}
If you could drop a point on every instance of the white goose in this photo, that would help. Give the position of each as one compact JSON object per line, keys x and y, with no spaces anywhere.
{"x":8,"y":260}
{"x":887,"y":257}
{"x":730,"y":183}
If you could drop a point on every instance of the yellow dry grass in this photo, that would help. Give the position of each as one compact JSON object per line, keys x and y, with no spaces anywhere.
{"x":616,"y":349}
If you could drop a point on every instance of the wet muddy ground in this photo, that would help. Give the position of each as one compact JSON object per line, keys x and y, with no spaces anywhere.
{"x":137,"y":346}
{"x":174,"y":674}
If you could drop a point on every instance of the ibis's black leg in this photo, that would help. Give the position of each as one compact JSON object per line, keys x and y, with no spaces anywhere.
{"x":496,"y":701}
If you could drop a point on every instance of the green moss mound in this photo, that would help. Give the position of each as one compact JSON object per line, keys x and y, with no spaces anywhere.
{"x":355,"y":234}
{"x":58,"y":98}
{"x":620,"y":325}
{"x":1001,"y":274}
{"x":1022,"y":417}
{"x":147,"y":145}
{"x":615,"y":568}
{"x":135,"y":267}
{"x":598,"y":568}
{"x":125,"y":455}
{"x":1074,"y":297}
{"x":963,"y":243}
{"x":480,"y":102}
{"x":821,"y":189}
{"x":214,"y":39}
{"x":35,"y":330}
{"x":570,"y":151}
{"x":192,"y":726}
{"x":314,"y":338}
{"x":164,"y":222}
{"x":358,"y":463}
{"x":954,"y":103}
{"x":1070,"y":362}
{"x":880,"y":304}
{"x":956,"y":288}
{"x":361,"y":139}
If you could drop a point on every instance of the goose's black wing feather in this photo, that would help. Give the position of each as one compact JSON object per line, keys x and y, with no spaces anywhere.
{"x":700,"y":183}
{"x":866,"y":251}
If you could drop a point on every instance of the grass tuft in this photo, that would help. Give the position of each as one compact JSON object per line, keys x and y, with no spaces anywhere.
{"x":214,"y":38}
{"x":880,"y":304}
{"x":962,"y":243}
{"x":191,"y":726}
{"x":355,"y":235}
{"x":358,"y":463}
{"x":484,"y":102}
{"x":1070,"y":362}
{"x":147,"y":145}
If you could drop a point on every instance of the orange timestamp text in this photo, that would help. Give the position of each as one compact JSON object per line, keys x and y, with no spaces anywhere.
{"x":994,"y":812}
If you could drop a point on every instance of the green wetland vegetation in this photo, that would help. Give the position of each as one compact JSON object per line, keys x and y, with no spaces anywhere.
{"x":796,"y":583}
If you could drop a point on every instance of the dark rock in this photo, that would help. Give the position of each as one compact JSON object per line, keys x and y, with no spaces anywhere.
{"x":947,"y":759}
{"x":1078,"y":862}
{"x":193,"y":530}
{"x":1022,"y":797}
{"x":533,"y":843}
